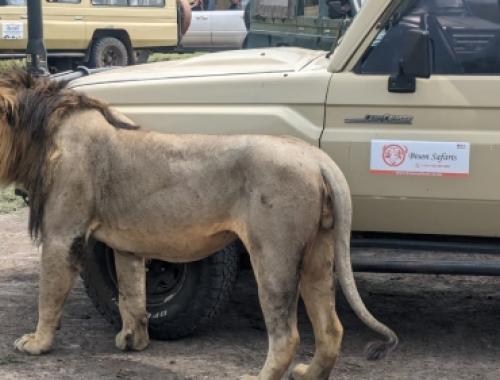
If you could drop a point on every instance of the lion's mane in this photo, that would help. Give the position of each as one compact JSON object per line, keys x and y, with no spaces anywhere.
{"x":31,"y":110}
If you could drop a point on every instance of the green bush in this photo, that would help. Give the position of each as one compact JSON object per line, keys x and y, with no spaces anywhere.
{"x":9,"y":201}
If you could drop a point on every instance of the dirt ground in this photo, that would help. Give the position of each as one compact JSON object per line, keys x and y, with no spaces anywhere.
{"x":449,"y":329}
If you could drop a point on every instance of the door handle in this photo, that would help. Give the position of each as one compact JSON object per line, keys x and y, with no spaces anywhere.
{"x":78,"y":18}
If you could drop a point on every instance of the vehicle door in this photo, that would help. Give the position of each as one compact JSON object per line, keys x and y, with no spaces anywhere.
{"x":148,"y":23}
{"x":422,"y":161}
{"x":64,"y":24}
{"x":199,"y":33}
{"x":13,"y":25}
{"x":227,"y":24}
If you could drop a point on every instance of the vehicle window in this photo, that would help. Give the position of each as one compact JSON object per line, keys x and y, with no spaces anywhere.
{"x":465,"y":36}
{"x":12,"y":2}
{"x":65,"y":1}
{"x":131,"y":3}
{"x":217,"y":5}
{"x":308,"y":8}
{"x":199,"y":5}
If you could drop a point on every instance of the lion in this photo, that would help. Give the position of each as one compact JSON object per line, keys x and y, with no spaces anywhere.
{"x":90,"y":172}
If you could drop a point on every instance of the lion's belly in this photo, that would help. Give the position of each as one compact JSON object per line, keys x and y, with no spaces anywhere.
{"x":175,"y":246}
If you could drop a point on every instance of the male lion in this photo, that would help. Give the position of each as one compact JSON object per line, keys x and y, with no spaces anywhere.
{"x":89,"y":172}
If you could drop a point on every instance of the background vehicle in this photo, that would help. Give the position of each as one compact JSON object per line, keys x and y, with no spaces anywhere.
{"x":405,"y":105}
{"x":97,"y":32}
{"x":216,"y":25}
{"x":313,"y":24}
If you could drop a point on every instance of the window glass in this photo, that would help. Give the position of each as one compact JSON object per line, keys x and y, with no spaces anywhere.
{"x":131,"y":3}
{"x":12,"y":2}
{"x":465,"y":36}
{"x":216,"y":5}
{"x":311,"y":8}
{"x":65,"y":1}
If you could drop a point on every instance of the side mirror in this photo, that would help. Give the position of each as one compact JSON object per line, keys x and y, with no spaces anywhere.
{"x":415,"y":62}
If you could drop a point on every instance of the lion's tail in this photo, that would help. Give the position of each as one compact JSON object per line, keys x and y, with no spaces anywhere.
{"x":342,"y":216}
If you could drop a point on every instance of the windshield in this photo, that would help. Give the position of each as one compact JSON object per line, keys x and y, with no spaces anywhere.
{"x":465,"y":35}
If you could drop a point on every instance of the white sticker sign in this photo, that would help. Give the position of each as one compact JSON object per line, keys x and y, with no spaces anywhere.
{"x":12,"y":30}
{"x":424,"y":158}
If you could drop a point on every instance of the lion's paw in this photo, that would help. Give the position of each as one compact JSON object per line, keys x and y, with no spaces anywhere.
{"x":132,"y":340}
{"x":299,"y":372}
{"x":32,"y":345}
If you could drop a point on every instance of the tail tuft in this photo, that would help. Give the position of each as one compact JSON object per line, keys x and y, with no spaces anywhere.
{"x":378,"y":349}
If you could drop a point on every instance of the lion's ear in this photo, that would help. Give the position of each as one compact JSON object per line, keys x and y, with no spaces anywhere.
{"x":7,"y":107}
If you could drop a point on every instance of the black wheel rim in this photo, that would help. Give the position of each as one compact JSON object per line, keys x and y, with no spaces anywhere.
{"x":111,"y":56}
{"x":164,"y":280}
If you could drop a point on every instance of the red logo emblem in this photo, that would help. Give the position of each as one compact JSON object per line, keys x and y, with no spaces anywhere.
{"x":394,"y":155}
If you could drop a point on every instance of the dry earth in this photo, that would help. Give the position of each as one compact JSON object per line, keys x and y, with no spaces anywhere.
{"x":449,"y":328}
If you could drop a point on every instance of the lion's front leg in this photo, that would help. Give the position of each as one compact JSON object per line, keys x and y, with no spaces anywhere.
{"x":57,"y":275}
{"x":131,"y":274}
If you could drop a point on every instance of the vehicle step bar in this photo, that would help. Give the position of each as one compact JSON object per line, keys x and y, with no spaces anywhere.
{"x":457,"y":267}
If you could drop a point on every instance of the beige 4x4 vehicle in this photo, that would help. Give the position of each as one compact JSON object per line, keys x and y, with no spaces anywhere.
{"x":97,"y":32}
{"x":408,"y":105}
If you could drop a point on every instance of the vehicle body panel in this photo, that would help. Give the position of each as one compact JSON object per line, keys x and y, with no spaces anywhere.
{"x":443,"y":109}
{"x":199,"y":32}
{"x":305,"y":94}
{"x":70,"y":27}
{"x":245,"y":62}
{"x":190,"y":97}
{"x":228,"y":29}
{"x":215,"y":27}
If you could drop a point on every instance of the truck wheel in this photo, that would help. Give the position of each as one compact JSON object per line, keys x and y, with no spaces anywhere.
{"x":108,"y":51}
{"x":181,"y":298}
{"x":141,"y":56}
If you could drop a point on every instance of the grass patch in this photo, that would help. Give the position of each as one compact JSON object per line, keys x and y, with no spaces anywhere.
{"x":9,"y":201}
{"x":159,"y":57}
{"x":6,"y":64}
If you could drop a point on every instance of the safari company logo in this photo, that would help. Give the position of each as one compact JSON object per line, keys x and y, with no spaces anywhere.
{"x":420,"y":158}
{"x":394,"y":155}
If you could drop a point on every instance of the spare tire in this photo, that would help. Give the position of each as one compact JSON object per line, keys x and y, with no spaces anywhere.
{"x":181,"y":298}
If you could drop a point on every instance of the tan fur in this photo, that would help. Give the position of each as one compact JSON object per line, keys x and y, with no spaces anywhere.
{"x":181,"y":198}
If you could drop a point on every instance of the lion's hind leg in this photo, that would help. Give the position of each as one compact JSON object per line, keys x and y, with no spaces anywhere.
{"x":316,"y":289}
{"x":276,"y":272}
{"x":131,"y":274}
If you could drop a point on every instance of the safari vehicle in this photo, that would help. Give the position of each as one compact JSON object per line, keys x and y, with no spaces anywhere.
{"x":408,"y":105}
{"x":97,"y":32}
{"x":215,"y":25}
{"x":313,"y":24}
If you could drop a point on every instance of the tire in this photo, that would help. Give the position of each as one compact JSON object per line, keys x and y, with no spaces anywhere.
{"x":108,"y":51}
{"x":141,"y":56}
{"x":181,"y":298}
